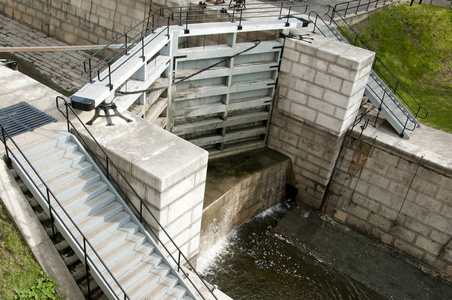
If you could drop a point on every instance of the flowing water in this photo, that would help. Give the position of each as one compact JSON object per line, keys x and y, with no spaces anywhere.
{"x":253,"y":263}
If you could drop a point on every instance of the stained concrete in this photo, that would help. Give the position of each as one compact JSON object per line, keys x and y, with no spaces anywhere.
{"x":360,"y":257}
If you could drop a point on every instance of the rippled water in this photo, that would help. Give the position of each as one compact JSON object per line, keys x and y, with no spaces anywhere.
{"x":253,"y":263}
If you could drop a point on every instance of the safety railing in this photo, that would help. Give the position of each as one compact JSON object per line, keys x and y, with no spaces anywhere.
{"x":139,"y":211}
{"x":158,"y":23}
{"x":379,"y":67}
{"x":356,"y":6}
{"x":84,"y":247}
{"x":445,"y":3}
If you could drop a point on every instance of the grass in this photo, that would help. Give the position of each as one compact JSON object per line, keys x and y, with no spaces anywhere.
{"x":415,"y":43}
{"x":18,"y":268}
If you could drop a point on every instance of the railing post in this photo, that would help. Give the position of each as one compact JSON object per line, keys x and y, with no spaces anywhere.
{"x":346,"y":9}
{"x":67,"y":116}
{"x":180,"y":16}
{"x":357,"y":7}
{"x":167,"y":28}
{"x":52,"y":220}
{"x":90,"y":72}
{"x":186,"y":31}
{"x":109,"y":76}
{"x":8,"y":159}
{"x":240,"y":21}
{"x":125,"y":42}
{"x":107,"y":166}
{"x":280,"y":11}
{"x":178,"y":263}
{"x":86,"y":268}
{"x":142,"y":49}
{"x":368,"y":4}
{"x":153,"y":26}
{"x":288,"y":16}
{"x":233,"y":15}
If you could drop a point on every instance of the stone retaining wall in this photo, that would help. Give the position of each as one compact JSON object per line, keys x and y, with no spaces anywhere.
{"x":321,"y":84}
{"x":398,"y":194}
{"x":83,"y":22}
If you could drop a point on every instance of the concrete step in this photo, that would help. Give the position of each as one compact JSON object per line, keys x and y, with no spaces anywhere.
{"x":90,"y":207}
{"x":52,"y":155}
{"x":106,"y":228}
{"x":161,"y":288}
{"x":144,"y":285}
{"x":38,"y":147}
{"x":68,"y":175}
{"x":132,"y":259}
{"x":141,"y":269}
{"x":53,"y":169}
{"x":176,"y":293}
{"x":90,"y":192}
{"x":109,"y":241}
{"x":76,"y":185}
{"x":122,"y":249}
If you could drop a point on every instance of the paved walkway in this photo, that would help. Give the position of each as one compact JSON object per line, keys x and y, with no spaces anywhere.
{"x":60,"y":70}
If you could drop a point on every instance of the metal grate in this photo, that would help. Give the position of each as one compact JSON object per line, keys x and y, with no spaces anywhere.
{"x":22,"y":117}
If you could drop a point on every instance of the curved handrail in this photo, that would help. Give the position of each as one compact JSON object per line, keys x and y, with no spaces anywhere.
{"x":163,"y":18}
{"x":142,"y":204}
{"x":53,"y":213}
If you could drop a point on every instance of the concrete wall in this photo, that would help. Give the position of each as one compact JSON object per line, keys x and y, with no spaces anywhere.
{"x":399,"y":194}
{"x":321,"y":85}
{"x":82,"y":22}
{"x":167,"y":172}
{"x":244,"y":197}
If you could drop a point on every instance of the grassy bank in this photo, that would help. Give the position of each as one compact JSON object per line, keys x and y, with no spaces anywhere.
{"x":21,"y":277}
{"x":416,"y":44}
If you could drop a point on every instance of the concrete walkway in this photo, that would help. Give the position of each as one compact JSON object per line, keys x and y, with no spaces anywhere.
{"x":60,"y":70}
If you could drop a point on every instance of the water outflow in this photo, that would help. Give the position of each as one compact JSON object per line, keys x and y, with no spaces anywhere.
{"x":251,"y":262}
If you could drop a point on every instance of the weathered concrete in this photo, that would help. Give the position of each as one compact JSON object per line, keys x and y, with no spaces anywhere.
{"x":397,"y":191}
{"x":238,"y":188}
{"x":321,"y":87}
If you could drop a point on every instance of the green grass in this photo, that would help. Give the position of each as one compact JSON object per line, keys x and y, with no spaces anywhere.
{"x":18,"y":268}
{"x":415,"y":43}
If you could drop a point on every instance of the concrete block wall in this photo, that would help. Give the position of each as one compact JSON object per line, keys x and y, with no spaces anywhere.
{"x":82,"y":22}
{"x":242,"y":202}
{"x":401,"y":195}
{"x":321,"y":85}
{"x":167,"y":172}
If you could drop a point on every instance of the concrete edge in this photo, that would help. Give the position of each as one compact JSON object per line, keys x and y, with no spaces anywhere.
{"x":34,"y":235}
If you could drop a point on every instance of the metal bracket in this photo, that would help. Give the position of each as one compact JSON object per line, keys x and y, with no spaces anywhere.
{"x":105,"y":107}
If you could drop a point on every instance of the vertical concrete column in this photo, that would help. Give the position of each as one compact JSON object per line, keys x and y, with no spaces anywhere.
{"x":321,"y":85}
{"x":167,"y":172}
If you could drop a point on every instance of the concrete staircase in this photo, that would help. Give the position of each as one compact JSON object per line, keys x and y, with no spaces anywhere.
{"x":86,"y":204}
{"x":389,"y":105}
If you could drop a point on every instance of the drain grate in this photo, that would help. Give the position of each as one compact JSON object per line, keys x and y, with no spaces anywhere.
{"x":22,"y":117}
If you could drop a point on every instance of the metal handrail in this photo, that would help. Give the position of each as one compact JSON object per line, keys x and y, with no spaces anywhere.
{"x":387,"y":80}
{"x":385,"y":93}
{"x":107,"y":168}
{"x":356,"y":6}
{"x":54,"y":214}
{"x":163,"y":18}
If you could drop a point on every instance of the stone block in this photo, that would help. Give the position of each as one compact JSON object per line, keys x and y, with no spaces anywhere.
{"x":290,"y":54}
{"x":331,"y":51}
{"x":416,"y":226}
{"x":355,"y":58}
{"x":162,"y":199}
{"x":407,"y":248}
{"x":304,"y":72}
{"x":286,"y":66}
{"x":185,"y":203}
{"x":289,"y":138}
{"x":428,"y":202}
{"x":342,"y":72}
{"x":444,"y":195}
{"x":382,"y":236}
{"x":359,"y":224}
{"x":428,"y":245}
{"x":439,"y":237}
{"x":297,"y":97}
{"x":404,"y":233}
{"x":303,"y":112}
{"x":329,"y":122}
{"x":424,"y":186}
{"x":328,"y":81}
{"x":340,"y":215}
{"x":309,"y":89}
{"x":350,"y":88}
{"x":381,"y":222}
{"x":435,"y":221}
{"x":321,"y":106}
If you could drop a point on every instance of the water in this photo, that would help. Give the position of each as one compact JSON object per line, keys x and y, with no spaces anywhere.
{"x":253,"y":263}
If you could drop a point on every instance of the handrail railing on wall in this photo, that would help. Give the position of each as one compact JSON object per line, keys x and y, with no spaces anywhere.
{"x":418,"y":111}
{"x":163,"y":18}
{"x":139,"y":211}
{"x":355,"y":6}
{"x":85,"y":247}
